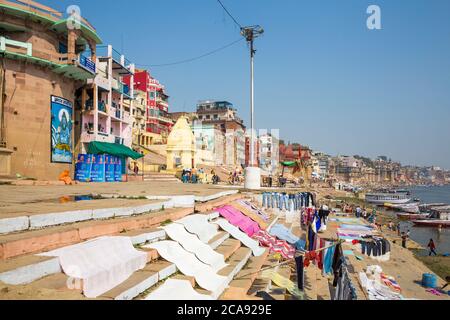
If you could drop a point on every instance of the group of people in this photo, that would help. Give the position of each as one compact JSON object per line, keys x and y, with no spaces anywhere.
{"x":195,"y":176}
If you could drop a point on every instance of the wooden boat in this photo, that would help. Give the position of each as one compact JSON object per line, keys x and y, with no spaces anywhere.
{"x":412,"y":216}
{"x":408,"y":208}
{"x":433,"y":223}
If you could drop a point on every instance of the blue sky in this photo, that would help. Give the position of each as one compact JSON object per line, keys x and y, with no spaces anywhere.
{"x":322,"y":77}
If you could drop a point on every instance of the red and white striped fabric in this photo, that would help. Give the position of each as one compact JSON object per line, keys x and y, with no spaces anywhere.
{"x":390,"y":282}
{"x":275,"y":245}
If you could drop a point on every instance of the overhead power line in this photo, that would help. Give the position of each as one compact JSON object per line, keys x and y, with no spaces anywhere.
{"x":191,"y":59}
{"x":229,"y":14}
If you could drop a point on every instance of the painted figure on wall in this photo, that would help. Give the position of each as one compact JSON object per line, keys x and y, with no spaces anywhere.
{"x":61,"y":130}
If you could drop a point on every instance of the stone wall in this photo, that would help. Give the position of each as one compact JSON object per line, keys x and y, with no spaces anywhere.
{"x":28,"y":115}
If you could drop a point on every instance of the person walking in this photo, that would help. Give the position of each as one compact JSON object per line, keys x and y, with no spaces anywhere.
{"x":136,"y":169}
{"x":432,"y":247}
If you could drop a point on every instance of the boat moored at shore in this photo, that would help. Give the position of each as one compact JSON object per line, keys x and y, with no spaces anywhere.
{"x":392,"y":197}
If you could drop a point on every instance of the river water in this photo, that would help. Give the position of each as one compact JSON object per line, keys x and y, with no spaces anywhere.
{"x":422,"y":235}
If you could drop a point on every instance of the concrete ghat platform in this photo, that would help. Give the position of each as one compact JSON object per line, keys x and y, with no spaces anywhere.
{"x":11,"y":224}
{"x":17,"y":244}
{"x":26,"y":269}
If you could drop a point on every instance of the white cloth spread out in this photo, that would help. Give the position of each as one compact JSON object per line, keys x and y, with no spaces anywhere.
{"x":192,"y":244}
{"x":198,"y":224}
{"x":241,"y":236}
{"x":177,"y":290}
{"x":102,"y":263}
{"x":189,"y":265}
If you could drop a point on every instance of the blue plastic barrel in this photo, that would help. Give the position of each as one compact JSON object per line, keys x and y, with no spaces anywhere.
{"x":429,"y":281}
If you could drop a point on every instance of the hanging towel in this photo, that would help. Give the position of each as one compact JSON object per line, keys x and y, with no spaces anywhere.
{"x":283,"y":233}
{"x":250,"y":214}
{"x":300,"y":269}
{"x":102,"y":264}
{"x":283,"y":282}
{"x":275,"y":246}
{"x":189,"y":265}
{"x":192,"y":244}
{"x":237,"y":219}
{"x":199,"y":224}
{"x":241,"y":236}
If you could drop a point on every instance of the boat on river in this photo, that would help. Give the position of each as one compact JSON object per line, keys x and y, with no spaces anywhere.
{"x":408,"y":207}
{"x":433,"y":223}
{"x":392,"y":197}
{"x":412,"y":216}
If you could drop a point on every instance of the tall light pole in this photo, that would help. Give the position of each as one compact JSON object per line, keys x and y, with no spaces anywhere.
{"x":252,"y":173}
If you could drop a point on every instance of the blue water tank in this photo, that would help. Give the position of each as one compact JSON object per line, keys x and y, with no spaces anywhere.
{"x":429,"y":281}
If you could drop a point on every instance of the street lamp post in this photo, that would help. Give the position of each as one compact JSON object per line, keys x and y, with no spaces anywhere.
{"x":252,"y":172}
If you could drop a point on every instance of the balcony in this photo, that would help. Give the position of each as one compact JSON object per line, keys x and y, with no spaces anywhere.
{"x":80,"y":69}
{"x":120,"y":65}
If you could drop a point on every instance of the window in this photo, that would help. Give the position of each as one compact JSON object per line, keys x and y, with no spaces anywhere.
{"x":216,"y":117}
{"x":208,"y":117}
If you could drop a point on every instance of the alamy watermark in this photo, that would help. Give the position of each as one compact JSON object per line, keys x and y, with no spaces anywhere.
{"x":74,"y":17}
{"x":374,"y":19}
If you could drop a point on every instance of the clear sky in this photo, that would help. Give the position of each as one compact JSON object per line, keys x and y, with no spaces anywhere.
{"x":322,"y":77}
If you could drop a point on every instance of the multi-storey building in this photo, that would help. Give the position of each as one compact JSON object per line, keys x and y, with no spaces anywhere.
{"x":105,"y":116}
{"x":139,"y":116}
{"x":223,"y":115}
{"x":269,"y":154}
{"x":210,"y":144}
{"x":158,"y":122}
{"x":44,"y":67}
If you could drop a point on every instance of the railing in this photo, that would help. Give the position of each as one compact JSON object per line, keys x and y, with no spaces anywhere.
{"x":17,"y":44}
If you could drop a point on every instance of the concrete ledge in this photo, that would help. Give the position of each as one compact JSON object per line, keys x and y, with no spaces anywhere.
{"x":215,"y":196}
{"x":27,"y":274}
{"x":42,"y":240}
{"x":136,"y":290}
{"x":216,"y":242}
{"x":176,"y":201}
{"x":211,"y":205}
{"x":148,"y":237}
{"x":54,"y":219}
{"x":10,"y":225}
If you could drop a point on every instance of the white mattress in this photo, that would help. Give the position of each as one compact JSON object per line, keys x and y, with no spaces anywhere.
{"x":189,"y":265}
{"x":177,"y":290}
{"x":241,"y":236}
{"x":192,"y":244}
{"x":102,"y":263}
{"x":199,"y":225}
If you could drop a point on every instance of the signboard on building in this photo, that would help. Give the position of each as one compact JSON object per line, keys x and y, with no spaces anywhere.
{"x":83,"y":168}
{"x":98,"y":168}
{"x":110,"y":164}
{"x":61,"y":130}
{"x":118,"y":170}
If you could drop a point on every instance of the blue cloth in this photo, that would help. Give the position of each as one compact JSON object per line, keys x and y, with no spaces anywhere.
{"x":356,"y":227}
{"x":300,"y":245}
{"x":283,"y":233}
{"x":328,"y":260}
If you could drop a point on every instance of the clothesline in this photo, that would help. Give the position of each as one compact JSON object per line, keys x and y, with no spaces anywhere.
{"x":289,"y":260}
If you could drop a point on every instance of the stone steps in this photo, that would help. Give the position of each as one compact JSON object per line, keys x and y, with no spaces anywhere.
{"x":240,"y":286}
{"x":26,"y":269}
{"x":141,"y":281}
{"x":17,"y":244}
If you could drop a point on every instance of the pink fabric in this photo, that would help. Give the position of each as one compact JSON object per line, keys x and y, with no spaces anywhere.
{"x":237,"y":219}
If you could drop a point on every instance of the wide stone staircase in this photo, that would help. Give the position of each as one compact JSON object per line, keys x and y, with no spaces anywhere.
{"x":26,"y":275}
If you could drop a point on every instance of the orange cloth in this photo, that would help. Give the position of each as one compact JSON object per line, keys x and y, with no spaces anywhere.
{"x":65,"y":177}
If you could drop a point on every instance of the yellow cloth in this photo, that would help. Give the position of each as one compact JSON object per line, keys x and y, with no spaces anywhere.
{"x":283,"y":282}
